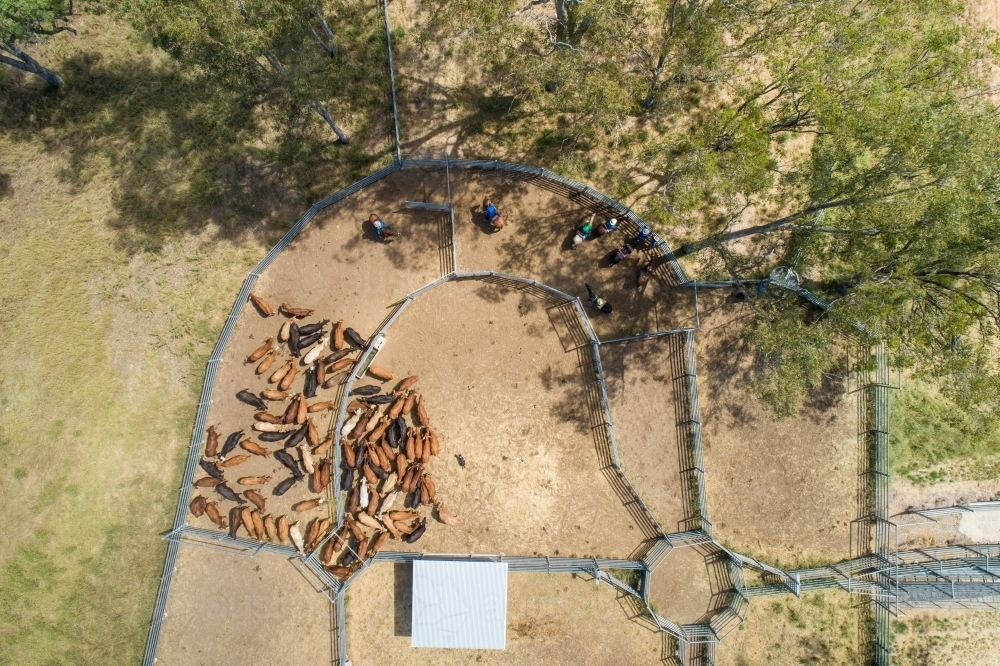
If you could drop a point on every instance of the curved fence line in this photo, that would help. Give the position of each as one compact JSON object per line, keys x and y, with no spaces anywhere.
{"x":664,"y":542}
{"x":571,"y":188}
{"x":205,"y":401}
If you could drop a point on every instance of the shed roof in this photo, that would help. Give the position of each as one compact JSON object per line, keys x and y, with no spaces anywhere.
{"x":459,"y":604}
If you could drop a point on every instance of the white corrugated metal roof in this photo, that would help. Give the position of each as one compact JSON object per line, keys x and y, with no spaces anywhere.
{"x":459,"y":604}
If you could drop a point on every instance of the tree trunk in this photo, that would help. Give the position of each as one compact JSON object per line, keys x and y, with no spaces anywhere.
{"x":329,"y":45}
{"x":324,"y":112}
{"x":778,"y":225}
{"x":28,"y":64}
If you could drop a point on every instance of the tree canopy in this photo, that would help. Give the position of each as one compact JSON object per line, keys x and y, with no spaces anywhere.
{"x":294,"y":55}
{"x":854,"y":142}
{"x":30,"y":19}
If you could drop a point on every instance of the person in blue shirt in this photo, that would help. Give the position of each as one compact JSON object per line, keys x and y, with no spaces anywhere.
{"x":644,"y":233}
{"x":382,"y":230}
{"x":492,"y":214}
{"x":606,"y":227}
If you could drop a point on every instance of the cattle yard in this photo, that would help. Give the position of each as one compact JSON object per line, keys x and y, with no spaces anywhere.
{"x":571,"y":442}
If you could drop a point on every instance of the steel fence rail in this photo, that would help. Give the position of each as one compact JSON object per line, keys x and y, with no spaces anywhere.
{"x":205,"y":401}
{"x":972,"y":507}
{"x":392,"y":78}
{"x":572,"y":187}
{"x":538,"y":564}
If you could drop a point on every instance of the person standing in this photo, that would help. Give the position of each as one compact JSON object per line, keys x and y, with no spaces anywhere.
{"x":597,"y":301}
{"x":620,"y":254}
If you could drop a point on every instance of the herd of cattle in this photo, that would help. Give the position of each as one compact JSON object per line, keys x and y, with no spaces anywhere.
{"x":385,"y":459}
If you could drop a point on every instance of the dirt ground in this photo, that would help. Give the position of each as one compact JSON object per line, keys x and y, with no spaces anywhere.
{"x":536,"y":243}
{"x":337,"y":267}
{"x":551,"y":619}
{"x":641,"y":388}
{"x":783,"y":490}
{"x":502,"y":390}
{"x":681,"y":587}
{"x":232,"y":609}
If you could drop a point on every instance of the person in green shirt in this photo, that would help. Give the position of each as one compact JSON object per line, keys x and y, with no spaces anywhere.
{"x":584,"y":231}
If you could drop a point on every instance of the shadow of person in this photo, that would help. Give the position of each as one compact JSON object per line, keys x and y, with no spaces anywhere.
{"x":568,"y":241}
{"x":608,"y":260}
{"x":479,"y":219}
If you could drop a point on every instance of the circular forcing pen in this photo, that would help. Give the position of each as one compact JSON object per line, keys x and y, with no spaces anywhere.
{"x":401,"y":380}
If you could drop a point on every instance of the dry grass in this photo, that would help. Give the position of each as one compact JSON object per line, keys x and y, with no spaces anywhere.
{"x":132,"y":203}
{"x":942,"y":637}
{"x":821,"y":628}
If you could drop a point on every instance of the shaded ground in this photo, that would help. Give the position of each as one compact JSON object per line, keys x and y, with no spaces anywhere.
{"x":502,"y":390}
{"x":551,"y":619}
{"x":232,"y":609}
{"x":535,"y":243}
{"x":640,"y":378}
{"x":784,"y":490}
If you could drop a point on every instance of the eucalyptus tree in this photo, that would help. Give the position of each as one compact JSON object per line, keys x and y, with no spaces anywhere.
{"x":28,"y":21}
{"x":285,"y":53}
{"x":853,"y":142}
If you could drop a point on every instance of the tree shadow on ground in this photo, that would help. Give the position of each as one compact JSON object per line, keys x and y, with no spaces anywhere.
{"x":178,"y":152}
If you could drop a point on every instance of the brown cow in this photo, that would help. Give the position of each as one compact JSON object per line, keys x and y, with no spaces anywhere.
{"x":256,"y":354}
{"x":235,"y":460}
{"x":253,"y":480}
{"x":287,"y":380}
{"x":198,"y":505}
{"x":212,"y":445}
{"x":256,"y":498}
{"x":253,"y":447}
{"x":263,"y":306}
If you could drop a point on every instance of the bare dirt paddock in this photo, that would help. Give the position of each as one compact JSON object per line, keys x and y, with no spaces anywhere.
{"x":551,"y":619}
{"x":503,"y":391}
{"x":231,"y":609}
{"x":783,"y":490}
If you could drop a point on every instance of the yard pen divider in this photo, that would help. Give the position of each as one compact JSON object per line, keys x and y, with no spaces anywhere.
{"x":646,"y":336}
{"x":205,"y":402}
{"x":392,"y":77}
{"x":569,"y":187}
{"x":694,"y":472}
{"x":972,"y":507}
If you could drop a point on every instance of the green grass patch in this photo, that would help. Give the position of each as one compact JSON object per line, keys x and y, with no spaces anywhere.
{"x":932,"y":440}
